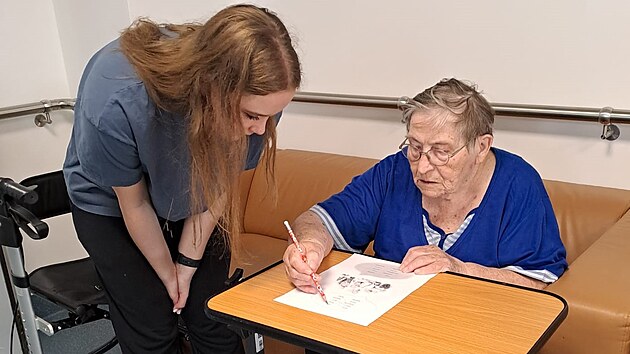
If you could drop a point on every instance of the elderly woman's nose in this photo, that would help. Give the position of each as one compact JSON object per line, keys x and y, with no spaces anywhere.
{"x":423,"y":165}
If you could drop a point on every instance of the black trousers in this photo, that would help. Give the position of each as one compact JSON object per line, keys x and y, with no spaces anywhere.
{"x":141,"y":310}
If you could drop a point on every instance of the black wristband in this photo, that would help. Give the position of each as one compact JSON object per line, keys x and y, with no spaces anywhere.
{"x":188,"y":262}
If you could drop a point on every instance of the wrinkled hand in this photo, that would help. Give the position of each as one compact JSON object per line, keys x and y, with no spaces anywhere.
{"x":299,"y":272}
{"x":184,"y":277}
{"x":430,"y":259}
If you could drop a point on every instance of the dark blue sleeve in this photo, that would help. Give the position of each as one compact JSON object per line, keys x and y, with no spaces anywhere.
{"x":255,"y":147}
{"x":531,"y":243}
{"x":356,"y":209}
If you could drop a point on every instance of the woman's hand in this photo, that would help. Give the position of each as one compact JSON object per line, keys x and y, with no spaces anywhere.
{"x":184,"y":277}
{"x":429,"y":260}
{"x":170,"y":282}
{"x":298,"y":271}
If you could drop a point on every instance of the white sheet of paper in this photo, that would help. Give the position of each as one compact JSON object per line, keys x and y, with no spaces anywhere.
{"x":359,"y":290}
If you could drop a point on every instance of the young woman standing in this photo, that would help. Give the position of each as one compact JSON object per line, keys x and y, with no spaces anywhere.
{"x":166,"y":118}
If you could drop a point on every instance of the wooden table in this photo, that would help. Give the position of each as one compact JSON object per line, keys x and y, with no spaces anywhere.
{"x":451,"y":313}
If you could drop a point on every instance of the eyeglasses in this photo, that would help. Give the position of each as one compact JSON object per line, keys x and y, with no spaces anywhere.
{"x":436,"y":157}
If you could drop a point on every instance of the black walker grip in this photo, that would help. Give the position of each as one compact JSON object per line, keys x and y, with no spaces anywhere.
{"x":17,"y":191}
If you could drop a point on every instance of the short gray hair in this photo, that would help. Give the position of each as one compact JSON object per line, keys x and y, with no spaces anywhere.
{"x":474,"y":116}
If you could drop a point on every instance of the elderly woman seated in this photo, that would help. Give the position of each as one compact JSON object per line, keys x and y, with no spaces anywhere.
{"x":447,"y":201}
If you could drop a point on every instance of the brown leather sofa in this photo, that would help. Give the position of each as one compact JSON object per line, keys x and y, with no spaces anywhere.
{"x":594,"y":224}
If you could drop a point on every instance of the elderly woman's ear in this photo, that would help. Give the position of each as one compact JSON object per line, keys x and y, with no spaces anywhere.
{"x":484,"y":142}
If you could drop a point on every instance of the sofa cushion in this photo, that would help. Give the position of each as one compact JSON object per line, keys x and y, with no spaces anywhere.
{"x":585,"y":212}
{"x":596,"y":287}
{"x":303,"y":178}
{"x":257,"y":252}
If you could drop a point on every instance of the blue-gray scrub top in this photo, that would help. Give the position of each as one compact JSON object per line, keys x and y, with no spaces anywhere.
{"x":119,"y":136}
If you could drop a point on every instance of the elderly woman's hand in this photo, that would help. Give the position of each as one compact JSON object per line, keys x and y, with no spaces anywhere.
{"x":297,"y":270}
{"x":429,"y":260}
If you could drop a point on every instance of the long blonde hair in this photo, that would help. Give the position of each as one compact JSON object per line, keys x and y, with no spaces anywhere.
{"x":201,"y":72}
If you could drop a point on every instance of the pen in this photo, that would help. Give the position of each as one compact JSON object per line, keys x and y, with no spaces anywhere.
{"x":297,"y":245}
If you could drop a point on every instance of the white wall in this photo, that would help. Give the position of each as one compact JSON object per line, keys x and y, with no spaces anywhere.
{"x":564,"y":52}
{"x":84,"y":27}
{"x":31,"y":62}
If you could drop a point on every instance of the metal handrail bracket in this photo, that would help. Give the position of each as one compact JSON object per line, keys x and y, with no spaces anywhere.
{"x":41,"y":108}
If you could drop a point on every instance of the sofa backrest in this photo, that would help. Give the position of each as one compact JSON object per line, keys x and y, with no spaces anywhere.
{"x":303,"y":179}
{"x":585,"y":212}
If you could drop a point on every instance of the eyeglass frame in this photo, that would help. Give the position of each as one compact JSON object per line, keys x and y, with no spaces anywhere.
{"x":407,"y":143}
